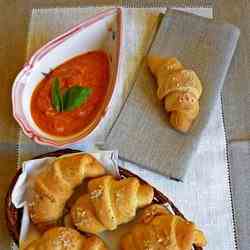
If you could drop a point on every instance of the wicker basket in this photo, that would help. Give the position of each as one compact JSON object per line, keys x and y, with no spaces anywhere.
{"x":14,"y":215}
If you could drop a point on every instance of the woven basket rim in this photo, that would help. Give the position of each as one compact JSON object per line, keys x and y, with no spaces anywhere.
{"x":13,"y":215}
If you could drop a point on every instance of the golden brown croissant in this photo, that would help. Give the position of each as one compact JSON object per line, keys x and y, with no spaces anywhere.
{"x":63,"y":238}
{"x":109,"y":203}
{"x":180,"y":88}
{"x":54,"y":185}
{"x":158,"y":229}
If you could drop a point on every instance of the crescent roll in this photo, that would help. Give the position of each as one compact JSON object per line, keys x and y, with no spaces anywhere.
{"x":158,"y":229}
{"x":179,"y":88}
{"x":54,"y":185}
{"x":109,"y":203}
{"x":63,"y":238}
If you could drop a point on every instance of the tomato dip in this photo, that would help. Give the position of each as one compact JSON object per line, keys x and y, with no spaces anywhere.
{"x":87,"y":70}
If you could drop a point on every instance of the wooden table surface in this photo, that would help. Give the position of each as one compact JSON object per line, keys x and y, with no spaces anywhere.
{"x":14,"y":19}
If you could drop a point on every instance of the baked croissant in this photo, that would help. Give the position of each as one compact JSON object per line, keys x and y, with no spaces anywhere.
{"x":63,"y":238}
{"x":54,"y":185}
{"x":109,"y":203}
{"x":179,"y":88}
{"x":158,"y":229}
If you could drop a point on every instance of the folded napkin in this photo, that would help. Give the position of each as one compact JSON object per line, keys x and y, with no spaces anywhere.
{"x":141,"y":133}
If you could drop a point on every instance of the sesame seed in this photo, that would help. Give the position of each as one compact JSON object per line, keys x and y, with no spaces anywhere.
{"x":80,"y":212}
{"x":81,"y":217}
{"x":96,"y":193}
{"x":148,"y":245}
{"x":118,"y":197}
{"x":160,"y":240}
{"x":63,"y":240}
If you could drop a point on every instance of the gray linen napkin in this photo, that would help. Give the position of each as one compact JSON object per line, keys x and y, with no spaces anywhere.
{"x":141,"y":133}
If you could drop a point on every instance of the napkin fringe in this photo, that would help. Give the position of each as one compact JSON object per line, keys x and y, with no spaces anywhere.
{"x":163,"y":4}
{"x":18,"y":145}
{"x":229,"y":174}
{"x":139,"y":4}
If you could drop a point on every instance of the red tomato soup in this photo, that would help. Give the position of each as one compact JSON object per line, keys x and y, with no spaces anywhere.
{"x":88,"y":70}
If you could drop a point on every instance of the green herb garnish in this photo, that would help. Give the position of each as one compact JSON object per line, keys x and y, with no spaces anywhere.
{"x":57,"y":100}
{"x":73,"y":98}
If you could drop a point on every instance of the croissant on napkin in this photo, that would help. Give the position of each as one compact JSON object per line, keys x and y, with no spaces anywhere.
{"x":63,"y":238}
{"x":180,"y":89}
{"x":158,"y":229}
{"x":54,"y":185}
{"x":109,"y":203}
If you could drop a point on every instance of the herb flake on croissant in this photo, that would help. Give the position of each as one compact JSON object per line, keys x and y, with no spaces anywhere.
{"x":54,"y":185}
{"x":158,"y":229}
{"x":179,"y":88}
{"x":109,"y":203}
{"x":63,"y":238}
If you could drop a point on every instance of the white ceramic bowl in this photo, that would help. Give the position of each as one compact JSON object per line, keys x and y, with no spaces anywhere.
{"x":102,"y":31}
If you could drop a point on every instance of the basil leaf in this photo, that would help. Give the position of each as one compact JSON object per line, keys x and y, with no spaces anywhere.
{"x":74,"y":97}
{"x":57,"y":101}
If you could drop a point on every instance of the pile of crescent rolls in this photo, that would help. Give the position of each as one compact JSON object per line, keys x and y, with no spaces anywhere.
{"x":107,"y":203}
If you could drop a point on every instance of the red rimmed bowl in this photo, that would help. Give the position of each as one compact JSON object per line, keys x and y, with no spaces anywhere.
{"x":13,"y":215}
{"x":100,"y":32}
